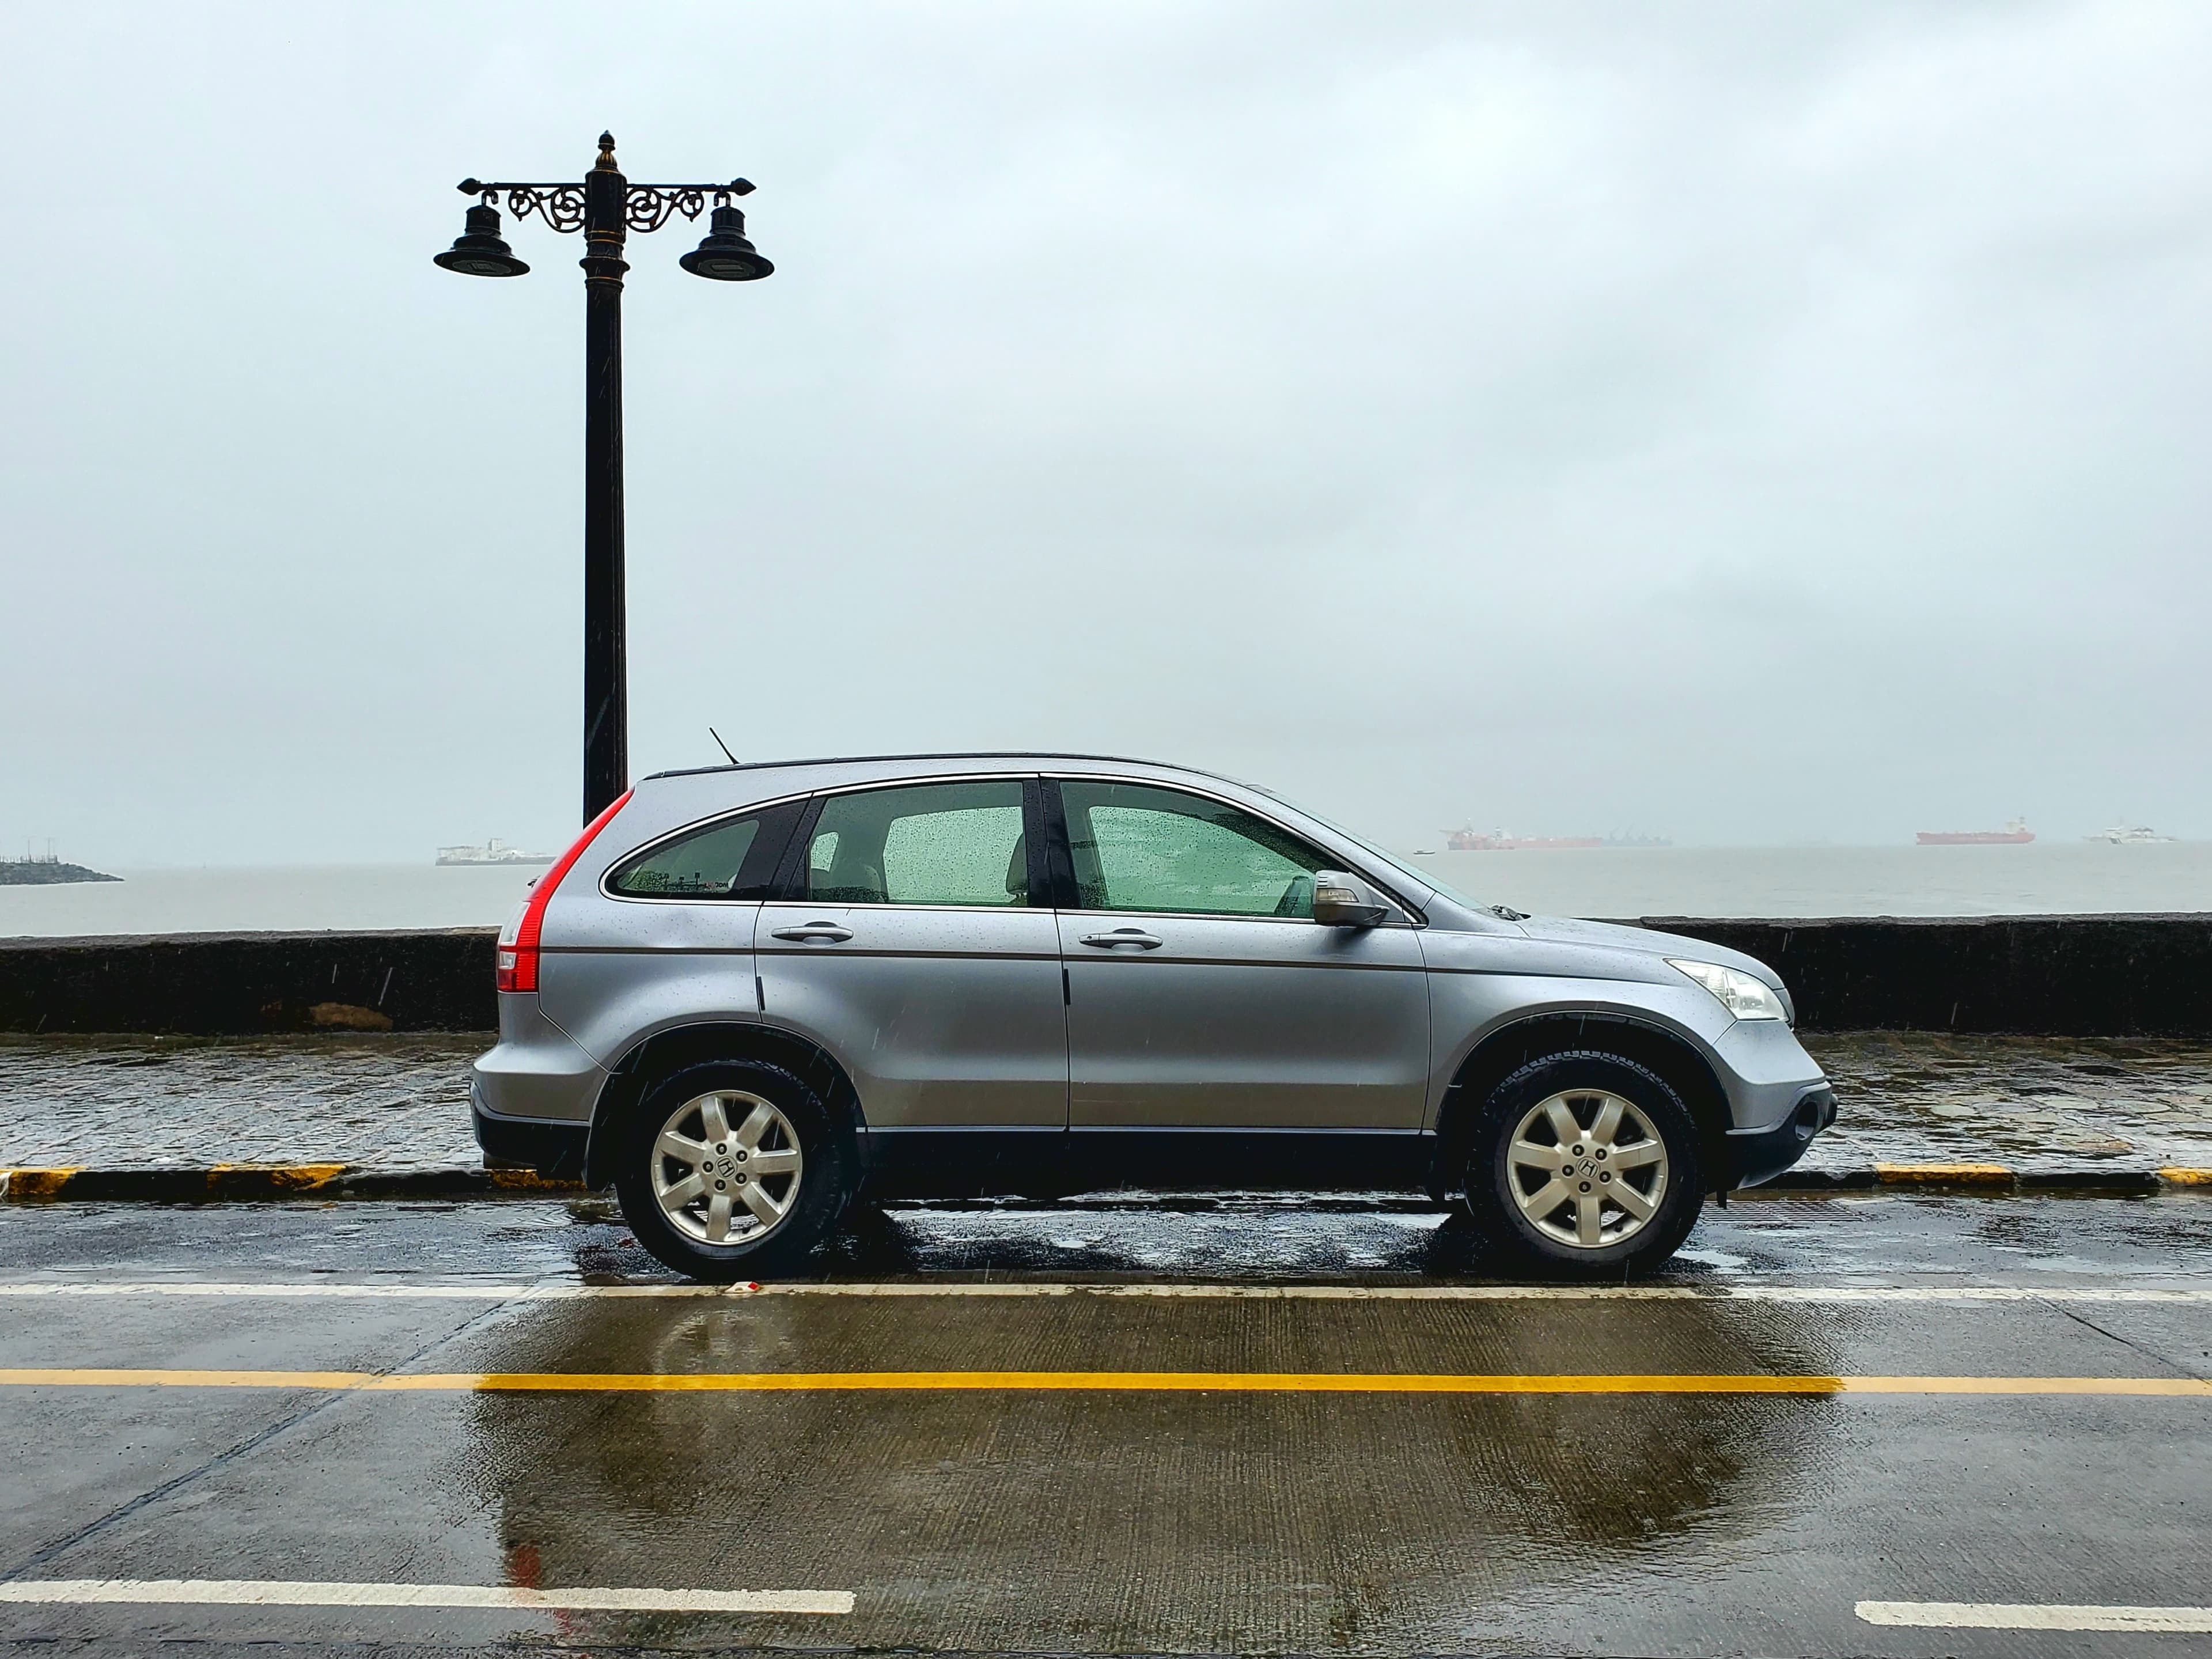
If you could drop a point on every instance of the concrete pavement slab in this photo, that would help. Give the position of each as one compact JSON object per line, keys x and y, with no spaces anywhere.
{"x":1095,"y":1521}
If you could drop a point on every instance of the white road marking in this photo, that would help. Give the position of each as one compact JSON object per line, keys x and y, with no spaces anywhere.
{"x":563,"y":1292}
{"x":288,"y":1592}
{"x":2001,"y":1615}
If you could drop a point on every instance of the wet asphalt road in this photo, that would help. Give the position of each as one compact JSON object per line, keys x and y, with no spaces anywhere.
{"x":1117,"y":1520}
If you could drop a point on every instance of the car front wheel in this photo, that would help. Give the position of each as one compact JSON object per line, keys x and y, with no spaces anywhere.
{"x":732,"y":1169}
{"x":1585,"y":1164}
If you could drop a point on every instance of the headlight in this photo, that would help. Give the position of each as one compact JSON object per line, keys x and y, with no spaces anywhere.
{"x":1740,"y":994}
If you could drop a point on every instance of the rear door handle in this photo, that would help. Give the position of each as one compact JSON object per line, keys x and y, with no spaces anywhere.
{"x":1136,"y":936}
{"x":828,"y":930}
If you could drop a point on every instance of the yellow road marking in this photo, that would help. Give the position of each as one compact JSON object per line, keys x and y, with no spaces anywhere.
{"x":1103,"y":1382}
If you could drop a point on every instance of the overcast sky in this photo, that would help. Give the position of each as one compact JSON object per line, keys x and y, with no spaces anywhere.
{"x":1751,"y":422}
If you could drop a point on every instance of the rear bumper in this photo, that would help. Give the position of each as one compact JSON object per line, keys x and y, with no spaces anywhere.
{"x":554,"y":1149}
{"x":537,"y":1071}
{"x":1757,"y":1155}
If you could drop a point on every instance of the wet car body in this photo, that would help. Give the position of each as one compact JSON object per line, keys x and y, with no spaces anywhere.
{"x":1121,"y":1008}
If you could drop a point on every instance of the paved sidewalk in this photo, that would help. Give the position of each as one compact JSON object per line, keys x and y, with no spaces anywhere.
{"x":2036,"y":1103}
{"x":400,"y":1103}
{"x":385,"y":1103}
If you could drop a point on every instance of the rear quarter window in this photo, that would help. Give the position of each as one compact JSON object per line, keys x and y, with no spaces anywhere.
{"x":734,"y":858}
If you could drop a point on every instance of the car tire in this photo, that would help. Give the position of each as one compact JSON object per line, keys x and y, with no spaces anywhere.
{"x":774,"y":1170}
{"x":1614,"y":1198}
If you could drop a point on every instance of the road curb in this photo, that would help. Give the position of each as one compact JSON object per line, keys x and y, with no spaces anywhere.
{"x":1992,"y":1178}
{"x":237,"y":1182}
{"x":232,"y":1182}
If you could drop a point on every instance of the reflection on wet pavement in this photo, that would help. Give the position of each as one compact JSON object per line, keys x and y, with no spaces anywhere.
{"x":1146,"y":1523}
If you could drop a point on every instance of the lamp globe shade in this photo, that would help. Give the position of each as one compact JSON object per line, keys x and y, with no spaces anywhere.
{"x":726,"y":255}
{"x":480,"y":251}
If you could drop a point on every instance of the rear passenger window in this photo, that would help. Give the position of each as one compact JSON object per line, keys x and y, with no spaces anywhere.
{"x":735,"y":858}
{"x":939,"y":843}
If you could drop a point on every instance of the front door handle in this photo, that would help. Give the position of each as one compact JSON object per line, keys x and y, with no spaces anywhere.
{"x":829,"y":929}
{"x":1136,"y":936}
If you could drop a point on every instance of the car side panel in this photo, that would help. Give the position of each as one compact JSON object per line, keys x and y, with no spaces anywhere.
{"x":1244,"y":1023}
{"x":944,"y":1017}
{"x":614,"y":970}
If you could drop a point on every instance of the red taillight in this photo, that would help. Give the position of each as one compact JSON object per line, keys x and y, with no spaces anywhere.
{"x":517,"y":967}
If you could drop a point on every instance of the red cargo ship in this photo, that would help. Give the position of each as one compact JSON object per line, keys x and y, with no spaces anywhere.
{"x":2015,"y":833}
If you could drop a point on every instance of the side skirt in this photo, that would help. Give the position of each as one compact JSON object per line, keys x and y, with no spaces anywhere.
{"x":1053,"y":1163}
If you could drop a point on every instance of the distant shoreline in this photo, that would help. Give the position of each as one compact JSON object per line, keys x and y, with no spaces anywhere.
{"x":46,"y":872}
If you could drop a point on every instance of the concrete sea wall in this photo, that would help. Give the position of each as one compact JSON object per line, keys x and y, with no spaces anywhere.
{"x":2134,"y":975}
{"x":230,"y":984}
{"x":2104,"y":975}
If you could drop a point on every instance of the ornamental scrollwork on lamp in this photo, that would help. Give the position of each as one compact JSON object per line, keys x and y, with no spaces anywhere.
{"x":561,"y":206}
{"x":645,"y":208}
{"x":650,"y":206}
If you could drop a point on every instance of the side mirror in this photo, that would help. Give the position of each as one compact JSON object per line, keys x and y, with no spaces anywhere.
{"x":1342,"y":901}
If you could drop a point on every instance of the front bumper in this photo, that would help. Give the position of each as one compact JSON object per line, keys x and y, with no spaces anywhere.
{"x":1757,"y":1155}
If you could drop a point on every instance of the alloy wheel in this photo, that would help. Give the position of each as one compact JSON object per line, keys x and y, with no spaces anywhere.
{"x":726,"y":1168}
{"x":1587,"y":1169}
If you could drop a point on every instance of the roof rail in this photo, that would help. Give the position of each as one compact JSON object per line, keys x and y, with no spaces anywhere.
{"x":946,"y":755}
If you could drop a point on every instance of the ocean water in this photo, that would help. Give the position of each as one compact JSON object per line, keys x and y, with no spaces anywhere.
{"x":245,"y":898}
{"x":2046,"y":878}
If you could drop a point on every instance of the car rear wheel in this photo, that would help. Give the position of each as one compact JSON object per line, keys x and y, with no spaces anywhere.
{"x":732,"y":1169}
{"x":1585,"y":1163}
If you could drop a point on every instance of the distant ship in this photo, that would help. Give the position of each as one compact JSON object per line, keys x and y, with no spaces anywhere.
{"x":2015,"y":833}
{"x":494,"y":851}
{"x":1471,"y":840}
{"x":2123,"y":835}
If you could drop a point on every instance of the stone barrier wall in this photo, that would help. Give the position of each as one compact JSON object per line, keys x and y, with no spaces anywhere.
{"x":2134,"y":975}
{"x":2143,"y":975}
{"x":239,"y":983}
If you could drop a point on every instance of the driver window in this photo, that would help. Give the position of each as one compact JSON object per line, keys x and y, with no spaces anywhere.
{"x":1137,"y":847}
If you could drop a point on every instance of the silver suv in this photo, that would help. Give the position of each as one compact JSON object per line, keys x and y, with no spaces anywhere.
{"x":748,"y":995}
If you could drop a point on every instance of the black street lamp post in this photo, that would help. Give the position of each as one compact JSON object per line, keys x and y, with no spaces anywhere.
{"x":606,"y":207}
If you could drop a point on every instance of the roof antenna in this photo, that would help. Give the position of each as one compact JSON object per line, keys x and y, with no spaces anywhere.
{"x":720,"y":745}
